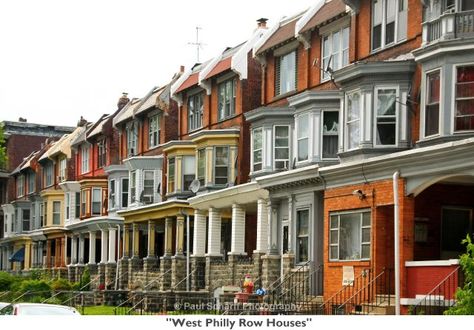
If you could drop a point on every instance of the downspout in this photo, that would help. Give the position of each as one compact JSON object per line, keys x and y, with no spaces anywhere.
{"x":396,"y":235}
{"x":188,"y":286}
{"x":118,"y":258}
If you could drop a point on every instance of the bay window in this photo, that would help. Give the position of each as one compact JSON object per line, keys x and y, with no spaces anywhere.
{"x":77,"y":205}
{"x":257,"y":144}
{"x":83,"y":202}
{"x":195,"y":110}
{"x":153,"y":131}
{"x":330,"y":134}
{"x":148,"y":186}
{"x":85,"y":154}
{"x":335,"y":51}
{"x":349,"y":235}
{"x":171,"y":175}
{"x":302,"y":130}
{"x":226,"y":98}
{"x":42,"y":214}
{"x":353,"y":120}
{"x":464,"y":115}
{"x":56,"y":213}
{"x":286,"y":73}
{"x":433,"y":90}
{"x":133,"y":186}
{"x":67,"y":202}
{"x":96,"y":201}
{"x":189,"y":168}
{"x":201,"y":168}
{"x":112,"y":194}
{"x":386,"y":116}
{"x":281,"y":149}
{"x":221,"y":165}
{"x":25,"y":219}
{"x":302,"y":232}
{"x":389,"y":22}
{"x":124,"y":192}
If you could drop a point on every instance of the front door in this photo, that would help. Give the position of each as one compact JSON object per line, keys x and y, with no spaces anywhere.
{"x":456,"y":223}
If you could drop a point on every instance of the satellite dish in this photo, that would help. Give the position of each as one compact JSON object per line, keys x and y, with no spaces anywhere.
{"x":195,"y":185}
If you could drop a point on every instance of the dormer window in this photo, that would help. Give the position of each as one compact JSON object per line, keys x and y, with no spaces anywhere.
{"x":286,"y":73}
{"x":132,"y":134}
{"x":195,"y":110}
{"x":226,"y":98}
{"x":153,"y":131}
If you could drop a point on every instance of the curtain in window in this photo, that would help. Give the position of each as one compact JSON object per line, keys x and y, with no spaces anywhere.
{"x":386,"y":116}
{"x":349,"y":237}
{"x":353,"y":113}
{"x":287,"y":72}
{"x":464,"y":117}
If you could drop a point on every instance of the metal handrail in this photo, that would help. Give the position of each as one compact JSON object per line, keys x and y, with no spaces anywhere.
{"x":283,"y":278}
{"x":134,"y":306}
{"x":184,"y":279}
{"x":80,"y":289}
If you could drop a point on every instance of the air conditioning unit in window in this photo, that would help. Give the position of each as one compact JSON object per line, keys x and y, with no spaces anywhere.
{"x":131,"y":152}
{"x":282,"y":165}
{"x":147,"y":199}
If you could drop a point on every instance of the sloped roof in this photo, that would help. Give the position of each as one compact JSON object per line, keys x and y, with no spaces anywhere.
{"x":224,"y":63}
{"x":329,"y":11}
{"x":81,"y":134}
{"x":97,"y":129}
{"x":63,"y":145}
{"x":152,"y":100}
{"x":191,"y":81}
{"x":25,"y":163}
{"x":127,"y":111}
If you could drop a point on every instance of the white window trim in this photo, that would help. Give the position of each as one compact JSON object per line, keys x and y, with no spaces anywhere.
{"x":233,"y":99}
{"x":83,"y":202}
{"x":383,"y":28}
{"x":151,"y":132}
{"x":322,"y":133}
{"x":346,"y":120}
{"x":132,"y":135}
{"x":112,"y":194}
{"x":200,"y":94}
{"x":132,"y":182}
{"x":274,"y":147}
{"x":397,"y":115}
{"x":341,"y":50}
{"x":85,"y":161}
{"x":301,"y":138}
{"x":49,"y":168}
{"x":67,"y":206}
{"x":153,"y":188}
{"x":252,"y":162}
{"x":169,"y":175}
{"x":453,"y":93}
{"x":20,"y":186}
{"x":122,"y":192}
{"x":295,"y":87}
{"x":56,"y":213}
{"x":228,"y":165}
{"x":302,"y":208}
{"x":424,"y":95}
{"x":92,"y":201}
{"x":31,"y":178}
{"x":183,"y":161}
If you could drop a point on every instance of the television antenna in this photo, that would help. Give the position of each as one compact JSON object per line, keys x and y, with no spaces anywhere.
{"x":197,"y":43}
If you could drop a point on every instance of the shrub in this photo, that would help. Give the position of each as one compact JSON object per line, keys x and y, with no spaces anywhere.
{"x":38,"y":287}
{"x":60,"y":284}
{"x":6,"y":281}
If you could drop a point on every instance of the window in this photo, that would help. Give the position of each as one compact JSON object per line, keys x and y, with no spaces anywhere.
{"x":432,"y":103}
{"x":85,"y":153}
{"x":67,"y":201}
{"x":226,"y":98}
{"x":464,"y":116}
{"x":221,"y":165}
{"x":330,"y":134}
{"x":389,"y":22}
{"x":62,"y":170}
{"x":31,"y":183}
{"x":83,"y":202}
{"x":77,"y":206}
{"x":189,"y":168}
{"x":41,"y":214}
{"x":56,"y":213}
{"x":349,"y":236}
{"x":171,"y":175}
{"x":335,"y":52}
{"x":257,"y":143}
{"x":353,"y":124}
{"x":112,"y":194}
{"x":26,"y":219}
{"x":124,"y":192}
{"x":303,"y":137}
{"x":48,"y":175}
{"x":281,"y":147}
{"x":302,"y":232}
{"x":195,"y":108}
{"x":386,"y":116}
{"x":148,"y":186}
{"x":96,"y":201}
{"x":285,"y":78}
{"x":132,"y":133}
{"x":153,"y":131}
{"x":101,"y":153}
{"x":20,"y":186}
{"x":33,"y":216}
{"x":201,"y":170}
{"x":133,"y":186}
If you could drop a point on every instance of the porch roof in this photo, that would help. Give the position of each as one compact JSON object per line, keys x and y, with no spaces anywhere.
{"x":95,"y":223}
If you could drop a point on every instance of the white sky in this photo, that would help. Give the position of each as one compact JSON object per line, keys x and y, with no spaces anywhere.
{"x":60,"y":59}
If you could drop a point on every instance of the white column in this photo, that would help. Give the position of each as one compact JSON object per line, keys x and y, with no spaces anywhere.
{"x":238,"y":230}
{"x":262,"y":226}
{"x":272,"y":210}
{"x":112,"y":240}
{"x":73,"y":250}
{"x":65,"y":250}
{"x":151,"y":239}
{"x":92,"y":248}
{"x":290,"y":224}
{"x":199,"y":240}
{"x":214,"y":237}
{"x":81,"y":249}
{"x":103,"y":245}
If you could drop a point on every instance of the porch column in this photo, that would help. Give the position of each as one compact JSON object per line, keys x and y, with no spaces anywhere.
{"x":168,"y":237}
{"x":272,"y":210}
{"x":179,"y":235}
{"x":151,"y":239}
{"x":112,"y":240}
{"x":214,"y":238}
{"x":57,"y":253}
{"x":238,"y":230}
{"x":63,"y":261}
{"x":27,"y":261}
{"x":104,"y":241}
{"x":81,"y":249}
{"x":290,"y":224}
{"x":92,"y":237}
{"x":126,"y":241}
{"x":65,"y":251}
{"x":199,"y":242}
{"x":48,"y":253}
{"x":73,"y":250}
{"x":262,"y":226}
{"x":135,"y":241}
{"x":34,"y":246}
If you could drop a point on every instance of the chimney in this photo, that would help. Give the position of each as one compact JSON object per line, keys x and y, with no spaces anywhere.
{"x":123,"y":100}
{"x":181,"y":69}
{"x":82,"y":122}
{"x":22,"y":120}
{"x":262,"y":23}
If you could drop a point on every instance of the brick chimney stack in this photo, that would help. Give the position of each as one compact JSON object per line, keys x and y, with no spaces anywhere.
{"x":262,"y":23}
{"x":123,"y":100}
{"x":181,"y":69}
{"x":82,"y":122}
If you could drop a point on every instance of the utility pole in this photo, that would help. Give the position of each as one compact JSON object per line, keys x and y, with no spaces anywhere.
{"x":197,"y":43}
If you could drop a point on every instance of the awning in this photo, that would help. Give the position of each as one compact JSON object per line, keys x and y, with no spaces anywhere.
{"x":19,"y":255}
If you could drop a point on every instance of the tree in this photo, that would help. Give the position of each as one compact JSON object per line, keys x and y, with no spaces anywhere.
{"x":3,"y":151}
{"x":465,"y":295}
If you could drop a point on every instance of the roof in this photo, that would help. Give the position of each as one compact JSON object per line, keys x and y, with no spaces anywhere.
{"x":223,"y":62}
{"x":99,"y":126}
{"x":190,"y":81}
{"x":81,"y":134}
{"x":329,"y":11}
{"x":220,"y":67}
{"x":152,"y":100}
{"x":127,"y":111}
{"x":25,"y":163}
{"x":63,"y":145}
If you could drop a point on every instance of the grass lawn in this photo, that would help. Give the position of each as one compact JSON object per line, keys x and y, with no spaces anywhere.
{"x":97,"y":310}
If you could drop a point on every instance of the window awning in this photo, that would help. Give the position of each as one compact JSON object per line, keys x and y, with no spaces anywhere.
{"x":19,"y":255}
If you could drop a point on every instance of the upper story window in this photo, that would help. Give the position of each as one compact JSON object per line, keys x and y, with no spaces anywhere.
{"x":96,"y":201}
{"x":195,"y":110}
{"x":281,"y":147}
{"x":302,"y":232}
{"x":353,"y":120}
{"x":48,"y":175}
{"x":124,"y":199}
{"x":85,"y":156}
{"x":464,"y":113}
{"x":286,"y":73}
{"x":226,"y":98}
{"x":62,"y":170}
{"x":257,"y":145}
{"x":20,"y":186}
{"x":330,"y":134}
{"x":432,"y":103}
{"x":221,"y":165}
{"x":349,"y":236}
{"x":386,"y":116}
{"x":148,"y":186}
{"x":112,"y":194}
{"x":389,"y":22}
{"x":56,"y":212}
{"x":26,"y":219}
{"x":42,"y":213}
{"x":302,"y":132}
{"x":31,"y":182}
{"x":83,"y":202}
{"x":101,"y":153}
{"x":201,"y":166}
{"x":67,"y":204}
{"x":171,"y":174}
{"x":132,"y":134}
{"x":189,"y":169}
{"x":153,"y":131}
{"x":335,"y":51}
{"x":77,"y":205}
{"x":133,"y":186}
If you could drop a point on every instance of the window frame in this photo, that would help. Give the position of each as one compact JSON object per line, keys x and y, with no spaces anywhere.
{"x":83,"y":203}
{"x":183,"y":174}
{"x":300,"y":138}
{"x":20,"y":186}
{"x":112,"y":194}
{"x":227,"y":166}
{"x":298,"y":235}
{"x":383,"y":25}
{"x":41,"y":214}
{"x":171,"y":175}
{"x":62,"y":169}
{"x":152,"y":195}
{"x":275,"y":160}
{"x":132,"y":184}
{"x":347,"y":123}
{"x":101,"y":153}
{"x":224,"y":112}
{"x":323,"y":134}
{"x":31,"y":178}
{"x":455,"y":98}
{"x":56,"y":213}
{"x":426,"y":98}
{"x":77,"y":205}
{"x":124,"y":194}
{"x":25,"y":220}
{"x":48,"y":174}
{"x":67,"y":203}
{"x":204,"y":161}
{"x":153,"y":131}
{"x":325,"y":76}
{"x":253,"y":163}
{"x":131,"y":131}
{"x":95,"y":189}
{"x":396,"y":116}
{"x":195,"y":119}
{"x":85,"y":159}
{"x":278,"y":73}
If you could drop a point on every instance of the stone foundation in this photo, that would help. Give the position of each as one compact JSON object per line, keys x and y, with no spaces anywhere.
{"x":94,"y":272}
{"x":270,"y":270}
{"x":198,"y":273}
{"x":123,"y":274}
{"x":178,"y":273}
{"x":110,"y":271}
{"x":71,"y":273}
{"x":165,"y":265}
{"x":101,"y":272}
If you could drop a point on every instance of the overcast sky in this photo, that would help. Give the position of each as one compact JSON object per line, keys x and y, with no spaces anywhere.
{"x":60,"y":59}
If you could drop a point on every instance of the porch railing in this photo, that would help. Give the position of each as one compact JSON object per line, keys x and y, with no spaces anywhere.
{"x":448,"y":26}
